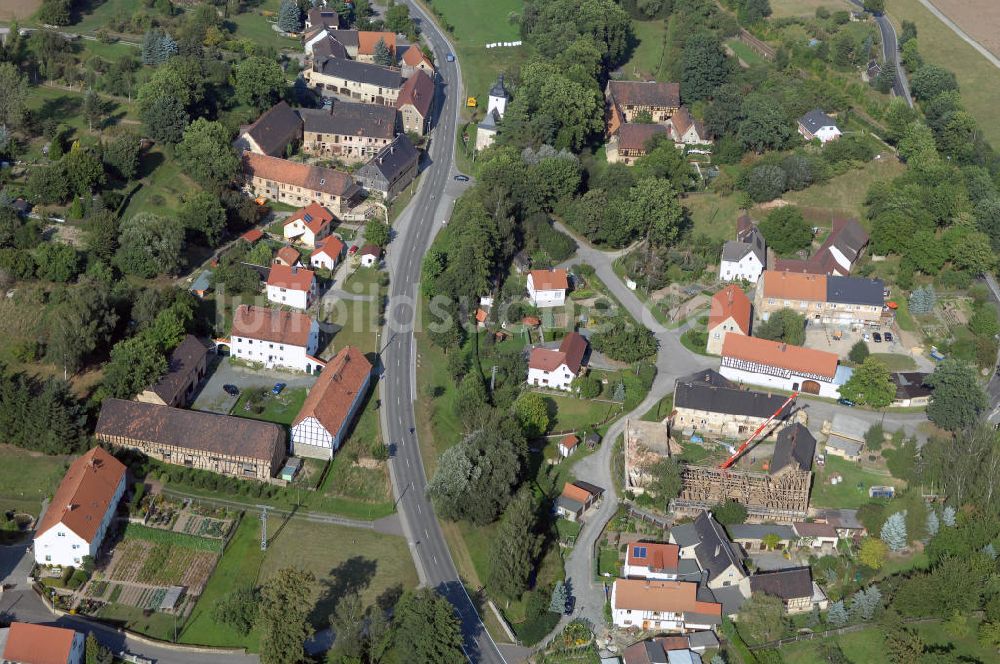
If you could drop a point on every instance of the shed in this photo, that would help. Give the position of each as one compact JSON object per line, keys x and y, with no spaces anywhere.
{"x":203,"y":284}
{"x":291,"y":468}
{"x":171,"y":599}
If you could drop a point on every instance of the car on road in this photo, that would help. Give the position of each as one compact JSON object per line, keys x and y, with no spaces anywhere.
{"x":231,"y":390}
{"x":278,"y":387}
{"x":450,"y":57}
{"x":846,"y":402}
{"x":876,"y":337}
{"x":888,"y":336}
{"x":462,"y":178}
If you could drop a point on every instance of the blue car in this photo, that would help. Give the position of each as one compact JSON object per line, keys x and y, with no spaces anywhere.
{"x":450,"y":57}
{"x":278,"y":387}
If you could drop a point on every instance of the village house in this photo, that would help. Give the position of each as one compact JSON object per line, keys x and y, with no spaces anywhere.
{"x":730,"y":314}
{"x":752,"y":537}
{"x":291,"y":286}
{"x":322,"y":17}
{"x":223,"y":444}
{"x":308,"y":224}
{"x":705,"y":541}
{"x":327,"y":254}
{"x":272,"y":132}
{"x":794,"y":450}
{"x":627,"y":101}
{"x":846,"y":437}
{"x":414,"y":103}
{"x":348,"y":131}
{"x":370,"y":255}
{"x":78,"y":516}
{"x":556,"y":369}
{"x":685,"y":130}
{"x":27,"y":643}
{"x":815,"y":535}
{"x":288,"y":256}
{"x":299,"y":184}
{"x":547,"y":288}
{"x":844,"y":521}
{"x":817,"y":124}
{"x":782,"y":366}
{"x":911,"y":389}
{"x":568,"y":444}
{"x":496,"y":106}
{"x":202,"y":285}
{"x":275,"y":338}
{"x":333,"y":76}
{"x":662,"y":605}
{"x":413,"y":60}
{"x":334,"y":400}
{"x":709,"y":403}
{"x":391,"y":170}
{"x":186,"y":368}
{"x":671,"y":649}
{"x":630,"y":142}
{"x":793,"y":586}
{"x":836,"y":256}
{"x":743,"y":259}
{"x":657,"y":561}
{"x":359,"y":45}
{"x":576,"y":498}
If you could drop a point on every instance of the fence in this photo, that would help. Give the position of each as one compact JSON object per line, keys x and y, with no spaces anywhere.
{"x":756,"y":45}
{"x":833,"y":632}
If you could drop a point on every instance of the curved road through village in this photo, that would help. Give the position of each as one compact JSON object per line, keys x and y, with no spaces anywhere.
{"x":890,"y":51}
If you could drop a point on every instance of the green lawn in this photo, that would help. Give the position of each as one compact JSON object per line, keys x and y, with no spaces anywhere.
{"x":104,"y":12}
{"x":251,"y":25}
{"x":896,"y":362}
{"x":163,"y":183}
{"x":978,"y":80}
{"x":157,"y":625}
{"x":745,"y":53}
{"x":26,"y":478}
{"x":280,"y":409}
{"x":713,"y":215}
{"x":363,"y":281}
{"x":786,"y":8}
{"x":573,"y":414}
{"x":660,"y":411}
{"x":694,"y":340}
{"x":356,"y":321}
{"x":647,"y":59}
{"x":845,"y":194}
{"x":846,"y":494}
{"x":65,"y":106}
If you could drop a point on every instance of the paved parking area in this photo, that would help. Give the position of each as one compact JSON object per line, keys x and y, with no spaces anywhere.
{"x":821,"y":337}
{"x":213,"y":398}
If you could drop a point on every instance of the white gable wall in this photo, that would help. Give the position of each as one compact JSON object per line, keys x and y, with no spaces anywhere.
{"x":61,"y":546}
{"x":561,"y":378}
{"x":748,"y":268}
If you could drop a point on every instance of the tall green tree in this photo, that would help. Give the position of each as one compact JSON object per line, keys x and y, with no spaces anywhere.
{"x":136,"y":363}
{"x":121,"y":154}
{"x":515,"y":548}
{"x":783,"y":325}
{"x":765,"y":126}
{"x":259,"y":82}
{"x":381,"y":55}
{"x":289,"y":16}
{"x":870,"y":384}
{"x":285,"y":602}
{"x":150,"y":245}
{"x":704,"y":67}
{"x":957,"y":400}
{"x":786,"y":230}
{"x":426,"y":629}
{"x":206,"y":152}
{"x":203,"y":213}
{"x":762,"y":618}
{"x":532,"y":412}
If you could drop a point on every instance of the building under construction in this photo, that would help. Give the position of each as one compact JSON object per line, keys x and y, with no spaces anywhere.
{"x":780,"y":492}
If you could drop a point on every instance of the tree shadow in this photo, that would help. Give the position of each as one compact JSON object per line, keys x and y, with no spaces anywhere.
{"x":62,"y":106}
{"x":351,"y":576}
{"x":149,"y":162}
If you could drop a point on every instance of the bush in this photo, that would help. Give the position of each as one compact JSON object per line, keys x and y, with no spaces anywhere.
{"x":859,"y":352}
{"x":78,"y":578}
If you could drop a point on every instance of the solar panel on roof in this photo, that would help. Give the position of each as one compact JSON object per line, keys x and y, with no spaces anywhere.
{"x":639,"y":552}
{"x":308,"y":217}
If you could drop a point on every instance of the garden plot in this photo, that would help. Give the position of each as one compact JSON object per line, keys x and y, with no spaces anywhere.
{"x":148,"y":563}
{"x":202,"y":526}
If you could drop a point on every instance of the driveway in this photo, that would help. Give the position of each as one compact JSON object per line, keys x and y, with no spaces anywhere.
{"x":213,"y":398}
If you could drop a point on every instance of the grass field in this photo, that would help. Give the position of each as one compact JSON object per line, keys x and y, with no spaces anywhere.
{"x":576,"y":414}
{"x":357,"y":321}
{"x":895,"y":361}
{"x":14,"y":10}
{"x":786,"y":8}
{"x":846,"y":494}
{"x":977,"y":78}
{"x":157,"y":625}
{"x":713,"y":215}
{"x":104,"y":12}
{"x":647,"y":59}
{"x":660,"y":411}
{"x":163,"y":183}
{"x":845,"y":194}
{"x":744,"y":52}
{"x":27,"y":478}
{"x":280,"y":409}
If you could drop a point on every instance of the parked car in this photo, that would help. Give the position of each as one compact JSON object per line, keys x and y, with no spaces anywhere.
{"x":450,"y":57}
{"x":231,"y":390}
{"x":888,"y":336}
{"x":278,"y":387}
{"x":353,"y":250}
{"x":866,"y":337}
{"x":877,"y":337}
{"x":462,"y":178}
{"x":846,"y":402}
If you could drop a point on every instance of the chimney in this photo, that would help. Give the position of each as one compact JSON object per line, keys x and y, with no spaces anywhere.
{"x":783,"y":347}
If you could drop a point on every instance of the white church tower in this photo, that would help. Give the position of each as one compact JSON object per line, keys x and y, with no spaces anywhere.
{"x":486,"y":132}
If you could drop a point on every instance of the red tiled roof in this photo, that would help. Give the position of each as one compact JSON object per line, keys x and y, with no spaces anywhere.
{"x":331,"y":246}
{"x":481,"y":315}
{"x":781,"y":355}
{"x":417,"y":91}
{"x":292,"y":278}
{"x":574,"y":492}
{"x":569,"y":442}
{"x":659,"y":555}
{"x":794,"y":286}
{"x":314,"y":216}
{"x":645,"y":93}
{"x":252,"y":235}
{"x":414,"y":56}
{"x":85,"y":494}
{"x":573,"y":348}
{"x":289,"y":255}
{"x":731,"y":301}
{"x":368,"y":38}
{"x":283,"y":327}
{"x":635,"y":136}
{"x":310,"y":178}
{"x":38,"y":644}
{"x":806,"y":529}
{"x":664,"y":596}
{"x":371,"y":250}
{"x":333,"y":394}
{"x":549,"y":279}
{"x":545,"y":359}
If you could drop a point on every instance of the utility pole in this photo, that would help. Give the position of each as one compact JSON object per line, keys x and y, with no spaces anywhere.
{"x":263,"y":527}
{"x":493,"y":378}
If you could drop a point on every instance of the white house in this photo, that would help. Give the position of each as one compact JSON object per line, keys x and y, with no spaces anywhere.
{"x":568,"y":445}
{"x":743,"y":260}
{"x":547,"y":288}
{"x":27,"y":643}
{"x":817,"y":124}
{"x":704,"y":541}
{"x":658,"y":561}
{"x":327,"y":254}
{"x":370,"y":255}
{"x":662,"y":605}
{"x":556,"y":369}
{"x":275,"y":338}
{"x":309,"y":225}
{"x":781,"y":366}
{"x":334,"y":400}
{"x":291,"y":286}
{"x":78,"y":516}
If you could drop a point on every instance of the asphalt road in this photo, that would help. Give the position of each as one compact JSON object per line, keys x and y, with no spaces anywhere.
{"x":993,"y":387}
{"x":415,"y":230}
{"x":890,"y":52}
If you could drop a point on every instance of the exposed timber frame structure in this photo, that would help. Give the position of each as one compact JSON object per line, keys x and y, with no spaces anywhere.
{"x":783,"y":495}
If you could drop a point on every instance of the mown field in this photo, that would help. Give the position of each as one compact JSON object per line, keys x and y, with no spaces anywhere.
{"x":16,"y":10}
{"x":27,"y":478}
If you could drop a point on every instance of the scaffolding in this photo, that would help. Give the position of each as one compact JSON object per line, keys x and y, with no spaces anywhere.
{"x":782,"y":495}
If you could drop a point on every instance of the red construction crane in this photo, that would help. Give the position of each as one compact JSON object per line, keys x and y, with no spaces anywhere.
{"x":743,"y":448}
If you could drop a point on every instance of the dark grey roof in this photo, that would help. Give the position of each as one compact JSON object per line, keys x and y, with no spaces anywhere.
{"x":490,"y":120}
{"x":757,"y":531}
{"x":850,"y":238}
{"x":353,"y":119}
{"x":816,"y":119}
{"x":703,"y":640}
{"x":184,"y":361}
{"x":498,"y":89}
{"x":361,"y":72}
{"x":392,"y":159}
{"x":684,"y":535}
{"x":730,"y":597}
{"x":721,"y":396}
{"x":735,"y":250}
{"x":855,"y":290}
{"x":910,"y":385}
{"x":795,"y":446}
{"x":592,"y":489}
{"x":329,"y":48}
{"x":574,"y":506}
{"x":793,"y":583}
{"x":275,"y":128}
{"x":687,"y":569}
{"x":714,"y":551}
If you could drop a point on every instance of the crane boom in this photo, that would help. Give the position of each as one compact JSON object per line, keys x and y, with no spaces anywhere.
{"x":743,"y":448}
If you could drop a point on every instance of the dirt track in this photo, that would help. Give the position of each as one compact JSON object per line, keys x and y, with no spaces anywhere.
{"x":980,"y":19}
{"x":18,"y":9}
